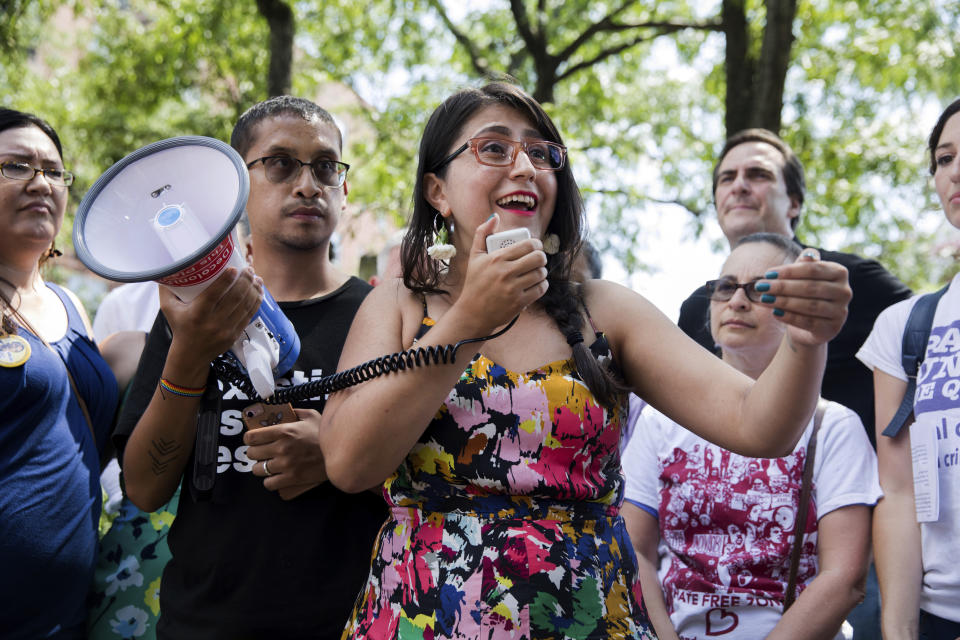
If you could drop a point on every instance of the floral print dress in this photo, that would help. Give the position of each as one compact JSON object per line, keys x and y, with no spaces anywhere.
{"x":504,"y":518}
{"x":124,"y":602}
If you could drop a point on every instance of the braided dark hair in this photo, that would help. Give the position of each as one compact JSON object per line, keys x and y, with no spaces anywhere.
{"x":562,"y":302}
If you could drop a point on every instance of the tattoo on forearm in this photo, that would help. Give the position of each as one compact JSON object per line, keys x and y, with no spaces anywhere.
{"x":162,"y":453}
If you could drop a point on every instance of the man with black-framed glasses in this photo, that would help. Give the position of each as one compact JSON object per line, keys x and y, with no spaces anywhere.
{"x":282,"y":169}
{"x":262,"y":546}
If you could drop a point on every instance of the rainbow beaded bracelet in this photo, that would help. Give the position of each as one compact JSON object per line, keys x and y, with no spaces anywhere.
{"x":186,"y":392}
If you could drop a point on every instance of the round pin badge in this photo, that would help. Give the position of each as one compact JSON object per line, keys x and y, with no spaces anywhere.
{"x":14,"y":351}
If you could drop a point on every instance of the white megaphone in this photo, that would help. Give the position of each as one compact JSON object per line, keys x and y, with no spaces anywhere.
{"x":167,"y":212}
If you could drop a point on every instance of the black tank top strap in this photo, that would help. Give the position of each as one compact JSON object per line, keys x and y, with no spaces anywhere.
{"x":427,"y":321}
{"x":590,"y":318}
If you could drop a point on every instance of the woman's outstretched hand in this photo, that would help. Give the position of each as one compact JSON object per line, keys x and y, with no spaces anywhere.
{"x":810,"y":296}
{"x":500,"y":285}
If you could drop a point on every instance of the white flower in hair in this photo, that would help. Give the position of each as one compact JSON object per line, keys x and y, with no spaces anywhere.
{"x":551,"y":243}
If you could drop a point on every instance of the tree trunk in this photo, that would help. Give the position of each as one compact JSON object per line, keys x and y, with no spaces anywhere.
{"x":773,"y":64}
{"x":737,"y":66}
{"x":279,"y":17}
{"x":546,"y":84}
{"x":755,"y":83}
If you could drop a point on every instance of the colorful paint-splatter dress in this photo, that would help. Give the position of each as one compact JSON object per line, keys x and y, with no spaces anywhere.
{"x":504,"y":518}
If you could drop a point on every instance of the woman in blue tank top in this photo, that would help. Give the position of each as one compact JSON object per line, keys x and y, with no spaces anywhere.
{"x":57,"y":400}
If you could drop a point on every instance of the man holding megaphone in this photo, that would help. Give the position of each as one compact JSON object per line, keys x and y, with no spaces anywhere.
{"x":245,"y":562}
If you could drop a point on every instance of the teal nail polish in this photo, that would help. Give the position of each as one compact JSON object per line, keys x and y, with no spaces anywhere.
{"x":490,"y":218}
{"x":762,"y":286}
{"x":778,"y":312}
{"x":770,"y":275}
{"x":768,"y":298}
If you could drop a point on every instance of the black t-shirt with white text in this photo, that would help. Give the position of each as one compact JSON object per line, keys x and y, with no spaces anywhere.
{"x":245,"y":563}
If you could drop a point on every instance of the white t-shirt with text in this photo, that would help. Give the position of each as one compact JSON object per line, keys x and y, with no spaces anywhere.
{"x":937,"y":430}
{"x":727,"y":521}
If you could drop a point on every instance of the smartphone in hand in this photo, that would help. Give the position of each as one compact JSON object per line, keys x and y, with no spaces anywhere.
{"x":260,"y":415}
{"x":266,"y":415}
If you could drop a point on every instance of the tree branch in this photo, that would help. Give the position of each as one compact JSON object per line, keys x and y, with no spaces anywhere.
{"x":534,"y":41}
{"x":663,"y":29}
{"x":623,"y":192}
{"x":536,"y":46}
{"x":592,"y":30}
{"x":476,"y":59}
{"x":704,"y":26}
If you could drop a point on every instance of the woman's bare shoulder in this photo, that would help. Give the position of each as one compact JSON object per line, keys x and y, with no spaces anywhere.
{"x":391,"y":293}
{"x":614,"y":302}
{"x":391,"y":304}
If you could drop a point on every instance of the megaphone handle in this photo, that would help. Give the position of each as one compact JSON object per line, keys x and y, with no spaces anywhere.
{"x":259,"y":368}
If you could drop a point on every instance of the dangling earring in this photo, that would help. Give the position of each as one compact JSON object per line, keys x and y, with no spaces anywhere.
{"x":440,"y":250}
{"x":52,"y":252}
{"x":551,"y":243}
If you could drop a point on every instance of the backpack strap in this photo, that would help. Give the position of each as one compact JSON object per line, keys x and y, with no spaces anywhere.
{"x":916,"y":334}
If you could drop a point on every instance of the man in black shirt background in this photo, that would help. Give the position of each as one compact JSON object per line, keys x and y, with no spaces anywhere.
{"x":245,"y":562}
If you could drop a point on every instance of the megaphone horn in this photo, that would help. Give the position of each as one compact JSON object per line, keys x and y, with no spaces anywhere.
{"x":167,"y":212}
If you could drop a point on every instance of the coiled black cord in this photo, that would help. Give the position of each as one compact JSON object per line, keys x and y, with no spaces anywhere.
{"x":229,"y":370}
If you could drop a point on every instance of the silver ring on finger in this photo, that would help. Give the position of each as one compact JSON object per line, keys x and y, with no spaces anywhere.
{"x":266,"y":471}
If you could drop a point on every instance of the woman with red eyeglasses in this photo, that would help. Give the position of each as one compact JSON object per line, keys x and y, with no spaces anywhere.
{"x":57,"y":400}
{"x":501,"y":468}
